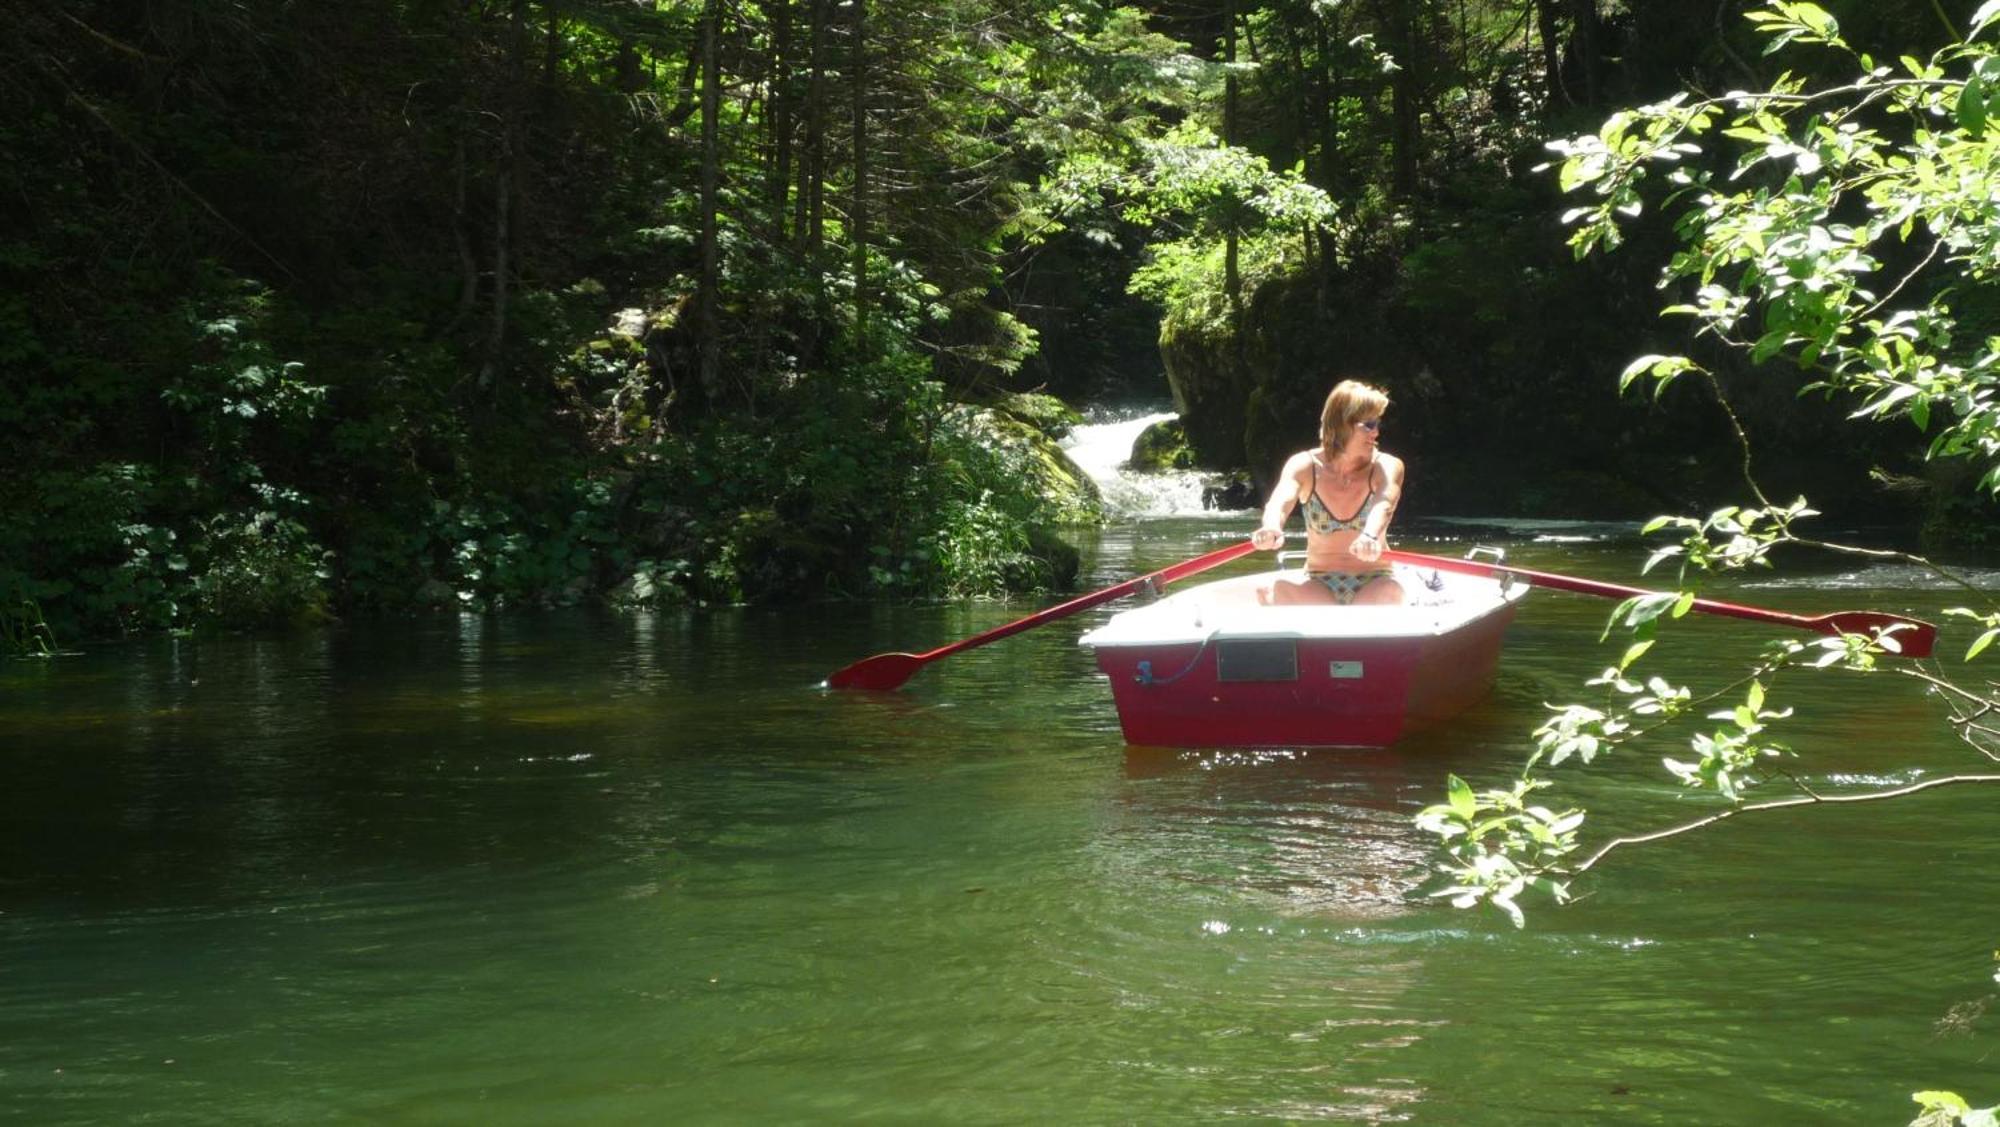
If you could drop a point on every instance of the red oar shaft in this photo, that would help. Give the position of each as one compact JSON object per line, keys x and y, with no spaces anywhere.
{"x":1159,"y":579}
{"x":1916,"y":641}
{"x":887,"y":671}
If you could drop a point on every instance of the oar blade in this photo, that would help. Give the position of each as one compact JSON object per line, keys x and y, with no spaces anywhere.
{"x":880,"y":673}
{"x":1912,"y":638}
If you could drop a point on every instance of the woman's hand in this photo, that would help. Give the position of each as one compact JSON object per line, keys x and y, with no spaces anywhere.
{"x":1366,"y":547}
{"x":1267,"y":538}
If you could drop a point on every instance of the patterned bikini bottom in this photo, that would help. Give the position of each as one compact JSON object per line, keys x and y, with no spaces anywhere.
{"x":1345,"y":585}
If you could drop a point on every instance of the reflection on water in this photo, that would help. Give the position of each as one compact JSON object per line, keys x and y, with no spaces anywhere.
{"x":576,"y":866}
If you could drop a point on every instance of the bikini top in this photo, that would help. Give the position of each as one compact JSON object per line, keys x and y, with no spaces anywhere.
{"x":1320,"y":519}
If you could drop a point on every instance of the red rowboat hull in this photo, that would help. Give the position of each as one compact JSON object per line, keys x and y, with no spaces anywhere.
{"x":1347,"y":692}
{"x":1221,"y":665}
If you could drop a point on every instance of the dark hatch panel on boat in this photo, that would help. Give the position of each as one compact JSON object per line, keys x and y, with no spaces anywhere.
{"x":1257,"y":659}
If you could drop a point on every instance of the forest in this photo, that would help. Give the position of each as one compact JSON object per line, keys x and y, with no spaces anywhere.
{"x":318,"y":310}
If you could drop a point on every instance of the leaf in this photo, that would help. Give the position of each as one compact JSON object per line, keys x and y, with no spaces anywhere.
{"x":1634,"y":652}
{"x":1460,"y":795}
{"x":1971,"y":108}
{"x":1661,"y":367}
{"x":1950,"y":1102}
{"x":1979,"y":644}
{"x":1987,"y":13}
{"x":1813,"y":16}
{"x":1644,"y":610}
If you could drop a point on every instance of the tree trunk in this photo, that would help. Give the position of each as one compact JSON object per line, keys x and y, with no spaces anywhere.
{"x":859,"y":218}
{"x":1583,"y":42}
{"x":506,"y":187}
{"x":1232,"y":279}
{"x":1545,"y":27}
{"x":781,"y":100}
{"x":551,"y":56}
{"x":811,"y":218}
{"x":468,"y":262}
{"x":1405,"y":95}
{"x":1329,"y":85}
{"x":1305,"y":95}
{"x":707,"y":322}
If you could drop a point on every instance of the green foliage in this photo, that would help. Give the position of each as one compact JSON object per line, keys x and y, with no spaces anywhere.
{"x":440,"y":343}
{"x":260,"y":569}
{"x":84,"y":547}
{"x":1841,"y":237}
{"x":1185,"y":277}
{"x":1776,"y":269}
{"x":1949,"y":1109}
{"x":24,"y":632}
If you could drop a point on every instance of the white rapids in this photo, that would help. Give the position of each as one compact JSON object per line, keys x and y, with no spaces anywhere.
{"x":1103,"y":450}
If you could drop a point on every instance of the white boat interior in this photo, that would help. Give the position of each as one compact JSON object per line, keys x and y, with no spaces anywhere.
{"x":1436,"y":603}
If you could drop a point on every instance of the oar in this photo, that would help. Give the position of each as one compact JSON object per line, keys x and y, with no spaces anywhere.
{"x":1915,"y":641}
{"x":889,"y":671}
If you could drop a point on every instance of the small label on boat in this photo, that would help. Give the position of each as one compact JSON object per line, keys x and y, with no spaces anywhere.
{"x":1343,"y":670}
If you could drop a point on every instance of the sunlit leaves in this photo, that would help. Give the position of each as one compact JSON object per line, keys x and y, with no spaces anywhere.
{"x":1500,"y":845}
{"x":1989,"y":622}
{"x":1660,"y":369}
{"x":1983,"y":18}
{"x":1790,"y":259}
{"x":1730,"y":538}
{"x":1726,"y":758}
{"x":1786,"y":22}
{"x":1949,"y":1109}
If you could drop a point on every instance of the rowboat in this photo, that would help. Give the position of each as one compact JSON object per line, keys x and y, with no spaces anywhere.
{"x":1209,"y":666}
{"x":1213,"y":667}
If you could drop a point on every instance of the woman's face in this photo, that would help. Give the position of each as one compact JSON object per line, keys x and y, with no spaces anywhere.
{"x":1365,"y":435}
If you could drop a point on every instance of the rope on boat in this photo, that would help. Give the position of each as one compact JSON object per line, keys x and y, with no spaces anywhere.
{"x":1145,"y":668}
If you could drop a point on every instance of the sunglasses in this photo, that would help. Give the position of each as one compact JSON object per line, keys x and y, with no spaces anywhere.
{"x":1370,"y":424}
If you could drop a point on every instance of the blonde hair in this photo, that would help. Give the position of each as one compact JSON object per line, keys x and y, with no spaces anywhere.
{"x":1348,"y":403}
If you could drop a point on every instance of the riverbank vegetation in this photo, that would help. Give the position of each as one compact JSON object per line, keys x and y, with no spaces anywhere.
{"x":504,"y":302}
{"x":476,"y":304}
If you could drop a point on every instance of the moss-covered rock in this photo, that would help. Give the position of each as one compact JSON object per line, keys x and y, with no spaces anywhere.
{"x":1068,"y":495}
{"x":1056,"y":561}
{"x":1211,"y":389}
{"x":1045,"y":413}
{"x":1161,"y":447}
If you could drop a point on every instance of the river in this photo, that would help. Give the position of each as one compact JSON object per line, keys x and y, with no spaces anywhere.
{"x":587,"y":867}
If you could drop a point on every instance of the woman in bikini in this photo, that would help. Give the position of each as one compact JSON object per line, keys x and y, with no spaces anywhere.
{"x":1347,"y":474}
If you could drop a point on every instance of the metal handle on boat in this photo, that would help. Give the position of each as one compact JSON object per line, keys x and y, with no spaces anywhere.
{"x":1498,"y":557}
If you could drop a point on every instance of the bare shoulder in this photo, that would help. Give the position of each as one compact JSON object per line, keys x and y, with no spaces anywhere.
{"x":1392,"y":466}
{"x":1298,"y":464}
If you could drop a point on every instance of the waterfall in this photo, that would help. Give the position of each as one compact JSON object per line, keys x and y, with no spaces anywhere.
{"x":1102,"y":448}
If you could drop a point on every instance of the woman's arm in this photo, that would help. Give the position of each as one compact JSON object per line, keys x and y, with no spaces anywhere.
{"x":1368,"y":542}
{"x":1284,"y":496}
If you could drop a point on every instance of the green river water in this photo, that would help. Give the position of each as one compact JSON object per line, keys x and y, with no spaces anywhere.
{"x":595,"y":868}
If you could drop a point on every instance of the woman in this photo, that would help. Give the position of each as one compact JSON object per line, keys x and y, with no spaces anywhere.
{"x":1347,"y":474}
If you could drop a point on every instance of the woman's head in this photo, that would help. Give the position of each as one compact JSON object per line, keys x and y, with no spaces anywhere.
{"x":1350,"y":403}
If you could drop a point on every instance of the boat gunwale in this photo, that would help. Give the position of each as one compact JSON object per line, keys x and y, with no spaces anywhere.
{"x":1128,"y":628}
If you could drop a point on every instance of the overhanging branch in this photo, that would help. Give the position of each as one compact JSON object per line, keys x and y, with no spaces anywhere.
{"x":1780,"y":804}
